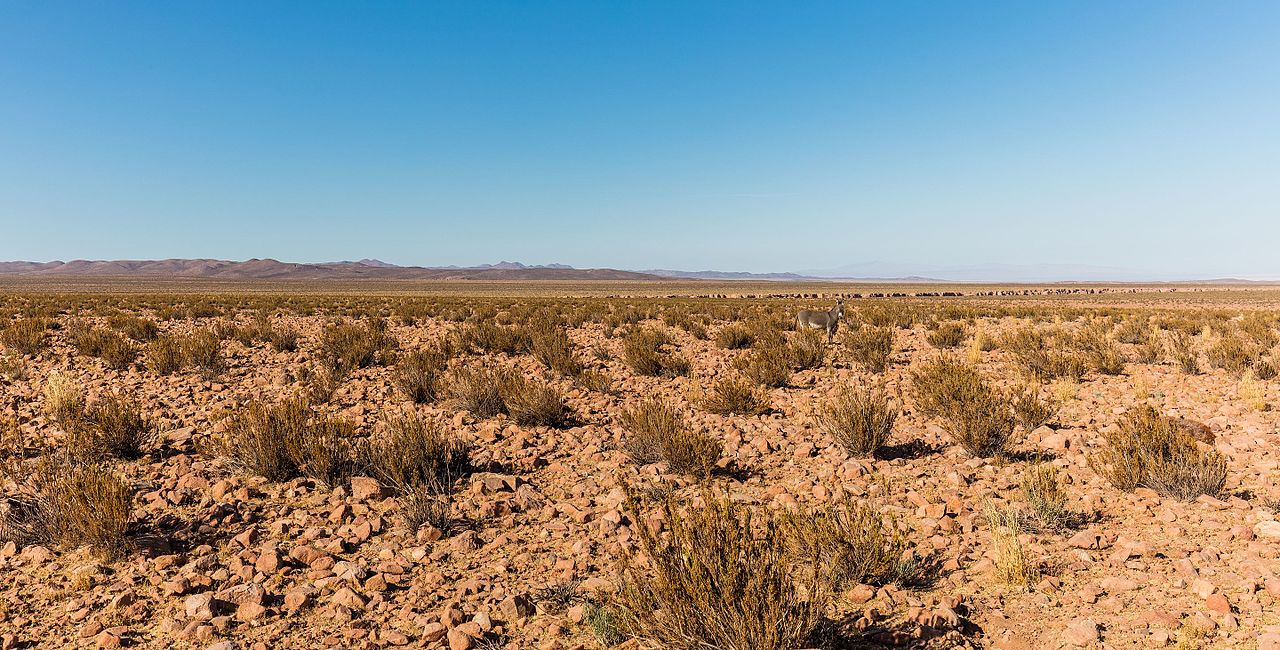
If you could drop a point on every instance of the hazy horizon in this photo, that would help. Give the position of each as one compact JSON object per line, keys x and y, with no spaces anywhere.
{"x":760,"y":137}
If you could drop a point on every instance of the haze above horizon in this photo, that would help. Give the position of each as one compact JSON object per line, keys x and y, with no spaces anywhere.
{"x":762,"y":137}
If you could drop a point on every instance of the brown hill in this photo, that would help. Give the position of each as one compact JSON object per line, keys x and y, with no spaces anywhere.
{"x":269,"y":269}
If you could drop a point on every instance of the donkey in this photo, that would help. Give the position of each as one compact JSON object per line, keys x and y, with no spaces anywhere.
{"x":822,"y":320}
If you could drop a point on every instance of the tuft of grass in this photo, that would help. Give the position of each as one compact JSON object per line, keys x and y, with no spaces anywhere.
{"x":766,"y":365}
{"x":63,"y":399}
{"x":1252,"y":392}
{"x":1183,"y":348}
{"x":946,"y":335}
{"x":806,"y":349}
{"x":164,"y":355}
{"x":595,"y":380}
{"x":73,"y":505}
{"x":1031,"y":409}
{"x":492,"y":338}
{"x":263,"y":438}
{"x":1150,"y":450}
{"x":735,"y":396}
{"x":202,"y":349}
{"x":855,"y":545}
{"x":134,"y":327}
{"x":643,"y":352}
{"x":346,"y":346}
{"x":26,"y":335}
{"x":478,"y":389}
{"x":532,"y":403}
{"x":1233,"y":354}
{"x":977,"y":416}
{"x":112,"y":428}
{"x":602,"y":619}
{"x":860,"y":419}
{"x":657,"y":432}
{"x":550,"y":344}
{"x":734,"y":337}
{"x":1048,"y":502}
{"x":871,"y":347}
{"x":417,"y":374}
{"x":720,"y":578}
{"x":1010,"y":559}
{"x":411,"y":452}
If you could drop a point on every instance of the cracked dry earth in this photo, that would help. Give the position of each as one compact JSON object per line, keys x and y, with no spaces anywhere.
{"x":228,"y":560}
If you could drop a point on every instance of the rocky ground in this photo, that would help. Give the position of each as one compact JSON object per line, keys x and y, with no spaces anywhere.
{"x":227,"y":560}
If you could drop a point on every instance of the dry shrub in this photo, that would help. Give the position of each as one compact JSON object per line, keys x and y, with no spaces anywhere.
{"x":550,"y":344}
{"x":735,"y":396}
{"x":164,"y":355}
{"x":262,"y":438}
{"x":417,"y":374}
{"x":110,"y":346}
{"x":1182,"y":345}
{"x":477,"y":389}
{"x":324,"y":450}
{"x":413,"y":453}
{"x":854,"y":545}
{"x":134,"y":327}
{"x":1010,"y":560}
{"x":63,"y":399}
{"x":320,"y":385}
{"x":112,"y":428}
{"x":806,"y":349}
{"x":71,"y":505}
{"x":1036,"y":355}
{"x":595,"y":380}
{"x":283,"y":340}
{"x":346,"y":346}
{"x":1252,"y":391}
{"x":532,"y":403}
{"x":976,"y":415}
{"x":1134,"y":331}
{"x":720,"y":578}
{"x":946,"y":335}
{"x":26,"y":335}
{"x":202,"y":349}
{"x":734,"y":337}
{"x":1048,"y":502}
{"x":425,"y":505}
{"x":492,"y":338}
{"x":1233,"y":354}
{"x":643,"y":352}
{"x":766,"y":365}
{"x":1150,"y":450}
{"x":1030,"y":409}
{"x":860,"y":419}
{"x":657,"y":432}
{"x":1151,"y":349}
{"x":871,"y":346}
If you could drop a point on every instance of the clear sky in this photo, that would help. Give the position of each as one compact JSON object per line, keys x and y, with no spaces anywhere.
{"x":692,"y":135}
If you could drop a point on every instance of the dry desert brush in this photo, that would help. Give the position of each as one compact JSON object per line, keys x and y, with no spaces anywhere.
{"x":871,"y":347}
{"x":721,"y":577}
{"x":977,"y":416}
{"x":854,"y":544}
{"x":735,"y":396}
{"x":1151,"y":450}
{"x":71,"y":504}
{"x":656,"y":431}
{"x":860,"y":419}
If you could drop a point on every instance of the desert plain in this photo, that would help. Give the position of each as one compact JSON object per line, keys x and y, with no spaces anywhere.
{"x":635,"y":465}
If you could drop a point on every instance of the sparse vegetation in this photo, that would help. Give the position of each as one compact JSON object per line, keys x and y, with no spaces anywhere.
{"x":735,"y":396}
{"x":657,"y":432}
{"x":977,"y":416}
{"x":720,"y":578}
{"x":860,"y":419}
{"x":1150,"y":450}
{"x":871,"y":347}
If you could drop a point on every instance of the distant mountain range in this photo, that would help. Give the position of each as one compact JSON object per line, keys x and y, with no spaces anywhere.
{"x":269,"y":269}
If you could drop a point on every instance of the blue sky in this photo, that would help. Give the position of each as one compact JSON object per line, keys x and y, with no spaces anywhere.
{"x":729,"y":135}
